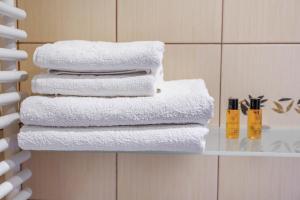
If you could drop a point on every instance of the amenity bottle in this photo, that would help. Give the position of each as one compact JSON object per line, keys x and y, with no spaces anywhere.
{"x":233,"y":119}
{"x":254,"y":120}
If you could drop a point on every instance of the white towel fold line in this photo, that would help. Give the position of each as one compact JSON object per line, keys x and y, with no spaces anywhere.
{"x":168,"y":138}
{"x":180,"y":102}
{"x":89,"y":56}
{"x":103,"y":73}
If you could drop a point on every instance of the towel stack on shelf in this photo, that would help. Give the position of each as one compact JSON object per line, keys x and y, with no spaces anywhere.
{"x":112,"y":97}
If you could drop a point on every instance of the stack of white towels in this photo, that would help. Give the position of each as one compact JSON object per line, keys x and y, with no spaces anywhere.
{"x":102,"y":96}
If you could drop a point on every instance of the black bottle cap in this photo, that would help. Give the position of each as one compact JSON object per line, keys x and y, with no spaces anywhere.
{"x":233,"y":104}
{"x":254,"y":103}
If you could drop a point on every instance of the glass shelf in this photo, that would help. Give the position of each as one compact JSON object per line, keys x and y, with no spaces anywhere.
{"x":274,"y":142}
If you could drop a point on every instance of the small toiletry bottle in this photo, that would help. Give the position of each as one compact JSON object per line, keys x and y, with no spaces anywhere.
{"x":233,"y":119}
{"x":254,"y":119}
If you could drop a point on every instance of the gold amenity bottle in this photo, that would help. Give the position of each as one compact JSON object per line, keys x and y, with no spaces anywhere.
{"x":254,"y":119}
{"x":233,"y":119}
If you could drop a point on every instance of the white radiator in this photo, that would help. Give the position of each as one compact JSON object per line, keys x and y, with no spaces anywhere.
{"x":10,"y":188}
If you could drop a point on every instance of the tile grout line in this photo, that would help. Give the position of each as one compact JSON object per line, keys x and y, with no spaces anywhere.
{"x":116,"y":20}
{"x":220,"y":92}
{"x":218,"y":178}
{"x":117,"y":155}
{"x":221,"y":62}
{"x":117,"y":188}
{"x":193,"y":43}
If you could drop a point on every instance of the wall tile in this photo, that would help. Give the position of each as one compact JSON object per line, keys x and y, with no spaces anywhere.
{"x":261,"y":21}
{"x":170,"y":20}
{"x":72,"y":175}
{"x":259,"y":178}
{"x":48,"y":21}
{"x":167,"y":177}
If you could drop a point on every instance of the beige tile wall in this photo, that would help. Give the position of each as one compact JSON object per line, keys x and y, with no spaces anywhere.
{"x":261,"y":21}
{"x":270,"y":70}
{"x":72,"y":175}
{"x":161,"y":177}
{"x":238,"y":47}
{"x":259,"y":178}
{"x":48,"y":21}
{"x":173,"y":21}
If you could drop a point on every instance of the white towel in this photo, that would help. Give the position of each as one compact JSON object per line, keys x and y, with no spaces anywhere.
{"x":180,"y":102}
{"x":171,"y":138}
{"x":91,"y":85}
{"x":89,"y":56}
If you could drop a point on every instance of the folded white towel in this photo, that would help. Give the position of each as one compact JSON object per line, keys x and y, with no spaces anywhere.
{"x":180,"y":102}
{"x":88,"y":56}
{"x":176,"y":138}
{"x":91,"y":85}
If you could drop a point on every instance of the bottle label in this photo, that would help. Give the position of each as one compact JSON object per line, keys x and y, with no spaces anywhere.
{"x":232,"y":123}
{"x":254,"y":124}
